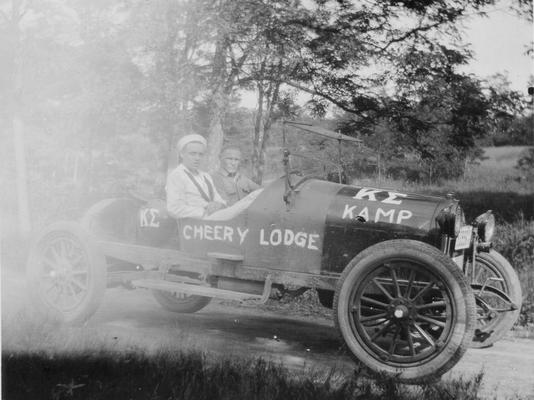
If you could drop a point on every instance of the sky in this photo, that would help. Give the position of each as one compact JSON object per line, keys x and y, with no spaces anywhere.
{"x":499,"y":42}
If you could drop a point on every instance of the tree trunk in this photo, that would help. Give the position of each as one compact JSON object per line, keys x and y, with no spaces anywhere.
{"x":22,"y":177}
{"x":222,"y":87}
{"x":215,"y":129}
{"x":257,"y":159}
{"x":13,"y":112}
{"x":379,"y":167}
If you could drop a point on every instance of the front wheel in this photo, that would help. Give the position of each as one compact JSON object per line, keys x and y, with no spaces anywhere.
{"x":66,"y":273}
{"x":498,"y":297}
{"x":404,"y":308}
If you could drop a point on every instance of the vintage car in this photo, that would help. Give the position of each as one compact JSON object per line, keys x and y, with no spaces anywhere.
{"x":411,"y":284}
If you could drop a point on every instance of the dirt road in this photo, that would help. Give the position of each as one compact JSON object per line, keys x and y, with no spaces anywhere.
{"x":134,"y":318}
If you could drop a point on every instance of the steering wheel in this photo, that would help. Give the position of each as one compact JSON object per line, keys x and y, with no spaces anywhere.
{"x":303,"y":179}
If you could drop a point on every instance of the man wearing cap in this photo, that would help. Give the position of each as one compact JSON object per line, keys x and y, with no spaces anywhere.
{"x":230,"y":183}
{"x":191,"y":192}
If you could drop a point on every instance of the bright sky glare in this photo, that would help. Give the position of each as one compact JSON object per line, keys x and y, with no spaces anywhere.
{"x":500,"y":42}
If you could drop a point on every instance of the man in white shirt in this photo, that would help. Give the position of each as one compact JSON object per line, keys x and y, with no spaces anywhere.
{"x":191,"y":192}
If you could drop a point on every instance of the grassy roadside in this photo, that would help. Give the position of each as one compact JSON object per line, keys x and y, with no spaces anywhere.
{"x":42,"y":359}
{"x":133,"y":375}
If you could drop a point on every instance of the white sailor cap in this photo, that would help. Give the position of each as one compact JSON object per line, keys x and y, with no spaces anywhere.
{"x":193,"y":138}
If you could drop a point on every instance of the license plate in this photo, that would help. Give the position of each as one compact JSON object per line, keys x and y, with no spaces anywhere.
{"x":463,"y":240}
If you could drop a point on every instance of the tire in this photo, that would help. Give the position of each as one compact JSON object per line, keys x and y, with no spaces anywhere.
{"x":326,"y":298}
{"x":179,"y":302}
{"x":492,"y":325}
{"x":66,"y":273}
{"x":405,"y":309}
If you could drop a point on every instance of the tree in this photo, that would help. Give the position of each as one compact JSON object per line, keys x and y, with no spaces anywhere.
{"x":23,"y":48}
{"x":345,"y":53}
{"x":327,"y":49}
{"x":436,"y":115}
{"x":270,"y":65}
{"x":12,"y":87}
{"x":507,"y":122}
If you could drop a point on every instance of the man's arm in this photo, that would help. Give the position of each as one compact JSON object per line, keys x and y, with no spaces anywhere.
{"x":176,"y":203}
{"x":250,"y":184}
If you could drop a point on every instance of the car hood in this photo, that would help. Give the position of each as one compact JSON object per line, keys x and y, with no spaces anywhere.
{"x":357,"y":204}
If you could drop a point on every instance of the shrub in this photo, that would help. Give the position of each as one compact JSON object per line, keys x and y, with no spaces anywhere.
{"x":515,"y":241}
{"x":525,"y":164}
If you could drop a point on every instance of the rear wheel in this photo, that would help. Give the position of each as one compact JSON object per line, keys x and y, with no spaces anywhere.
{"x":498,"y":297}
{"x":404,"y":308}
{"x":180,"y":302}
{"x":66,"y":273}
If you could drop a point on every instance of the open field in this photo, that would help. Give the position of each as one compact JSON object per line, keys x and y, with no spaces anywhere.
{"x":503,"y":157}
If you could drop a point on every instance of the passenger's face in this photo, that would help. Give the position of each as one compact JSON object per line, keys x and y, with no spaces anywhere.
{"x":230,"y":160}
{"x":192,"y":155}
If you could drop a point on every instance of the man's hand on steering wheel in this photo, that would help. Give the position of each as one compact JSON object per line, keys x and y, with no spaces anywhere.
{"x":213,"y":206}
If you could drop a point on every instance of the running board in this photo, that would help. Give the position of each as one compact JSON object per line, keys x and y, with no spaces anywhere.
{"x":207,"y":291}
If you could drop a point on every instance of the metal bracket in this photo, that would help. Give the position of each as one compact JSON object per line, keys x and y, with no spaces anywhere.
{"x":192,"y":287}
{"x":493,"y":278}
{"x":496,"y":292}
{"x":266,"y":290}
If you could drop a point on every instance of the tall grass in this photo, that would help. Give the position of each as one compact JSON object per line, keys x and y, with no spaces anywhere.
{"x":99,"y":375}
{"x":515,"y":241}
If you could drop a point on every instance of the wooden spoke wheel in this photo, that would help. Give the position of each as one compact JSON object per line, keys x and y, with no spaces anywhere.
{"x":404,"y":308}
{"x":180,"y":302}
{"x":66,"y":273}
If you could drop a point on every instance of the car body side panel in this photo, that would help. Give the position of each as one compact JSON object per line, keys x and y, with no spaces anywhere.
{"x":200,"y":237}
{"x":359,"y":217}
{"x":269,"y":233}
{"x":290,"y":236}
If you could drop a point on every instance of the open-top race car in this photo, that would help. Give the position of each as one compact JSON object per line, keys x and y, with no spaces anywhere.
{"x":411,"y":284}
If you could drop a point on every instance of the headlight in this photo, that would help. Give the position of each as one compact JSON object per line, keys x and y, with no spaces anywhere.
{"x":485,"y":226}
